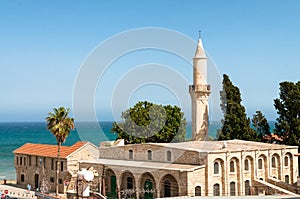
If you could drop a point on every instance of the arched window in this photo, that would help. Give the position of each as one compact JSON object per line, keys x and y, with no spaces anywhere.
{"x":129,"y":183}
{"x":216,"y":168}
{"x":232,"y":166}
{"x":216,"y":190}
{"x":149,"y":155}
{"x":169,"y":156}
{"x":198,"y":191}
{"x":260,"y":164}
{"x":287,"y":179}
{"x":130,"y":154}
{"x":286,"y":161}
{"x":246,"y":165}
{"x":232,"y":189}
{"x":247,"y":187}
{"x":273,"y":162}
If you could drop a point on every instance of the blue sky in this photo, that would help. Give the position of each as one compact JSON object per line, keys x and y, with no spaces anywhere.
{"x":44,"y":43}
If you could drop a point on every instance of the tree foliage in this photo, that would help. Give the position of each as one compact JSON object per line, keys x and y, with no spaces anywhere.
{"x":60,"y":125}
{"x":261,"y":126}
{"x":148,"y":122}
{"x":236,"y":124}
{"x":287,"y":124}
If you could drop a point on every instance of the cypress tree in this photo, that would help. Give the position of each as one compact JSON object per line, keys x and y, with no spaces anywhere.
{"x":236,"y":124}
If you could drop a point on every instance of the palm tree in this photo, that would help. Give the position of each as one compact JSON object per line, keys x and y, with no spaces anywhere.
{"x":60,"y":126}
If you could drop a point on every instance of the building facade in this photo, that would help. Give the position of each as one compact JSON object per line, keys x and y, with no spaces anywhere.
{"x":35,"y":164}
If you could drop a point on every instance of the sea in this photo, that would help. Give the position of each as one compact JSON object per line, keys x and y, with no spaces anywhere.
{"x":15,"y":134}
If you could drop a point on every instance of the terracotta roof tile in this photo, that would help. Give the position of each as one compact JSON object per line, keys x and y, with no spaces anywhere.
{"x":47,"y":150}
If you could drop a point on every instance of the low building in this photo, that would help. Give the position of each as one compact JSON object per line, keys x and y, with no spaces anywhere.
{"x":205,"y":168}
{"x":35,"y":164}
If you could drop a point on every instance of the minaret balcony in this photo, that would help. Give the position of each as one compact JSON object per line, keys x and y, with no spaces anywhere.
{"x":200,"y":88}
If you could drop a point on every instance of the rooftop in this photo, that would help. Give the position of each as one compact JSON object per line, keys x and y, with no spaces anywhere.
{"x":47,"y":150}
{"x":142,"y":164}
{"x":219,"y":146}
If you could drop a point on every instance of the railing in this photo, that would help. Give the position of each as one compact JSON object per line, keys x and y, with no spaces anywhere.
{"x":203,"y":88}
{"x":282,"y":185}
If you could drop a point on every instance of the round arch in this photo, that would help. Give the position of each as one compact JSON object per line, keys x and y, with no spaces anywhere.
{"x":169,"y":186}
{"x":110,"y":183}
{"x":147,"y":186}
{"x":264,"y":166}
{"x":221,"y":167}
{"x":128,"y":184}
{"x":276,"y":166}
{"x":290,"y":165}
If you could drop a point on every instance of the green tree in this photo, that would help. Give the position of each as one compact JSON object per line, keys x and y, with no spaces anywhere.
{"x":236,"y":124}
{"x":287,"y":124}
{"x":148,"y":122}
{"x":60,"y":125}
{"x":261,"y":125}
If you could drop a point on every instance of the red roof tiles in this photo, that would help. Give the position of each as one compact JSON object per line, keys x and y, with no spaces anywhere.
{"x":47,"y":150}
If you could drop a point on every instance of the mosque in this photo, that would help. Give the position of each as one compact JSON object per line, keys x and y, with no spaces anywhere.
{"x":157,"y":170}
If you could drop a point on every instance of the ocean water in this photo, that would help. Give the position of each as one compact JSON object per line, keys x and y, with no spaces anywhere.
{"x":14,"y":135}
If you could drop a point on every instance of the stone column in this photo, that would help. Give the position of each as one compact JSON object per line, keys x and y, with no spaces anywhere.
{"x":137,"y":187}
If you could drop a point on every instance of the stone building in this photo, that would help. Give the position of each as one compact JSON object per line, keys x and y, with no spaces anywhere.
{"x":35,"y":164}
{"x":206,"y":168}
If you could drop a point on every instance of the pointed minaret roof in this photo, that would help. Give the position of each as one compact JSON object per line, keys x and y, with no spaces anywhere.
{"x":200,"y":53}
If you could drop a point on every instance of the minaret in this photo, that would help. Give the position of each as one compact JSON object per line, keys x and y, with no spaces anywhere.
{"x":199,"y":93}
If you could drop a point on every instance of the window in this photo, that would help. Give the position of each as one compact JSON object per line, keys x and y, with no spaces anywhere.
{"x":21,"y":160}
{"x":130,"y":154}
{"x":24,"y":161}
{"x":232,"y":189}
{"x":216,"y":168}
{"x":260,"y":164}
{"x":149,"y":155}
{"x":29,"y":160}
{"x":216,"y":190}
{"x":232,"y":166}
{"x":129,"y":183}
{"x":169,"y":156}
{"x":36,"y":160}
{"x":44,"y":159}
{"x":247,"y":188}
{"x":198,"y":191}
{"x":60,"y":181}
{"x":286,"y":161}
{"x":52,"y":163}
{"x":17,"y":160}
{"x":22,"y":177}
{"x":246,"y":165}
{"x":51,"y":179}
{"x":287,"y":179}
{"x":273,"y":162}
{"x":61,"y":165}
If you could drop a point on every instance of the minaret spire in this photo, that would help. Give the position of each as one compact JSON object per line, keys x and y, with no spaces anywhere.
{"x":199,"y":92}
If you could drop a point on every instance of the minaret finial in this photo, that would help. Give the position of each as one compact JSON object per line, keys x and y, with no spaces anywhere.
{"x":199,"y":34}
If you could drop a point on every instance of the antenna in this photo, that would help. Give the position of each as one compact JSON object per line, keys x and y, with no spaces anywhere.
{"x":199,"y":34}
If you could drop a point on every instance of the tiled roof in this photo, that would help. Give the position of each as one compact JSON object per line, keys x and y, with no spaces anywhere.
{"x":47,"y":150}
